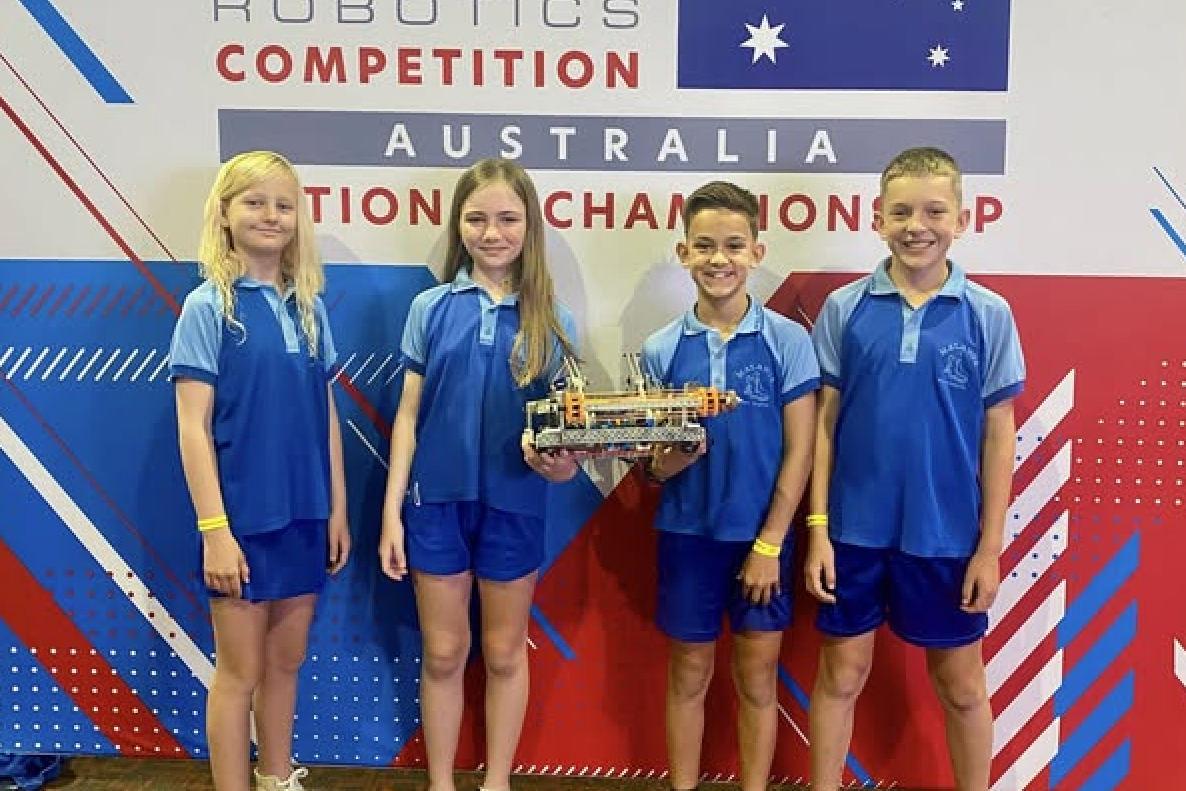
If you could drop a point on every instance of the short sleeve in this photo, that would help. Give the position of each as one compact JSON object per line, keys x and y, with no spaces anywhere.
{"x":1004,"y":376}
{"x":800,"y":369}
{"x":414,"y":345}
{"x":569,"y":325}
{"x":197,"y":337}
{"x":659,"y":350}
{"x":827,"y":337}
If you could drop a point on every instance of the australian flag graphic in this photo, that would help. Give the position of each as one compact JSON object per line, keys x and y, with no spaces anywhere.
{"x":893,"y":45}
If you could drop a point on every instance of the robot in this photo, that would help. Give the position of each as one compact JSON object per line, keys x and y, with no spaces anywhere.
{"x":624,"y":424}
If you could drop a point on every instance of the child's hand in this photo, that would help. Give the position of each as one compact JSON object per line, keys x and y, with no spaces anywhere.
{"x":339,"y":543}
{"x":556,"y":466}
{"x":820,"y":567}
{"x":670,"y":459}
{"x":982,"y":580}
{"x":224,"y":567}
{"x":392,"y":557}
{"x":759,"y":578}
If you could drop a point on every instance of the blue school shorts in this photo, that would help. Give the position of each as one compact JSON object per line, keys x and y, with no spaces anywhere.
{"x":919,"y":598}
{"x":698,"y":585}
{"x":283,"y":563}
{"x":451,"y":538}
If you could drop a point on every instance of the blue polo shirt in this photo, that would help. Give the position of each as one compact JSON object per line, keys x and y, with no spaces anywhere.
{"x":472,"y":412}
{"x":270,"y":418}
{"x":914,"y":386}
{"x":769,"y":362}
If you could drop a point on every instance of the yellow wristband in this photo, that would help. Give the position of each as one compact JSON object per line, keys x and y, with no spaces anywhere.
{"x":817,"y":520}
{"x":213,"y":523}
{"x":765,"y":549}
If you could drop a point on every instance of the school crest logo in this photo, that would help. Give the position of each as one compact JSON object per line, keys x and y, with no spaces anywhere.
{"x":756,"y":384}
{"x":958,"y":365}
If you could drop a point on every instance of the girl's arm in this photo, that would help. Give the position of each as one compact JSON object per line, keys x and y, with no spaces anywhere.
{"x":392,"y":558}
{"x":339,"y":528}
{"x":224,"y":568}
{"x":195,"y":405}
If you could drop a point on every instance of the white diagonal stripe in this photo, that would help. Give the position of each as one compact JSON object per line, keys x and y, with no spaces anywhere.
{"x":33,"y":368}
{"x":124,"y":367}
{"x":342,"y":368}
{"x":1041,"y":688}
{"x":143,"y":365}
{"x":109,"y":560}
{"x":156,"y":373}
{"x":1049,"y":547}
{"x":369,"y":446}
{"x":1041,"y":491}
{"x":49,"y":370}
{"x":107,"y":365}
{"x":7,"y":354}
{"x":1043,"y":419}
{"x":355,"y":376}
{"x":1180,"y":662}
{"x":787,"y":716}
{"x":19,"y":361}
{"x":66,"y":371}
{"x":1035,"y":758}
{"x":89,"y":363}
{"x":1023,"y":642}
{"x":379,"y":370}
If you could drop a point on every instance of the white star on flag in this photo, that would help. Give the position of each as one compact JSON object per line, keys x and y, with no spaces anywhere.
{"x":938,"y":56}
{"x":958,"y":5}
{"x":764,"y":40}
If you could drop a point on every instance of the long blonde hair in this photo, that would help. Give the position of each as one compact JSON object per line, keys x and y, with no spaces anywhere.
{"x":300,"y":265}
{"x":538,"y":322}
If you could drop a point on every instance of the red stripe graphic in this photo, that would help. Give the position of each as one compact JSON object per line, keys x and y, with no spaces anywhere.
{"x":90,"y":206}
{"x":79,"y":670}
{"x":86,"y":156}
{"x":107,"y":499}
{"x":44,"y":296}
{"x":65,"y":293}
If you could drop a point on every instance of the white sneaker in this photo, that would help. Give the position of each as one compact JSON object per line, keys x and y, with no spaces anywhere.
{"x":272,"y":783}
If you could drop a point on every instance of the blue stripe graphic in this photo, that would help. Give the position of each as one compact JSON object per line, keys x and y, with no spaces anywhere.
{"x":1098,"y":723}
{"x":561,"y":646}
{"x":74,"y":48}
{"x":1101,"y":589}
{"x":1169,"y":229}
{"x":1111,"y":771}
{"x":1170,"y":187}
{"x":1101,"y":655}
{"x":863,"y":777}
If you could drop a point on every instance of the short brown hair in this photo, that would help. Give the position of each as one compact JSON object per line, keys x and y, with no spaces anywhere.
{"x":722,"y":195}
{"x":925,"y":161}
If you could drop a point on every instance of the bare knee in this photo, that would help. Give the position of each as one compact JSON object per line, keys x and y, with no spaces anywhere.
{"x":960,"y":693}
{"x":757,"y":687}
{"x":504,"y":655}
{"x":285,"y":658}
{"x":239,"y":678}
{"x":689,"y":671}
{"x":444,"y":655}
{"x":842,"y":675}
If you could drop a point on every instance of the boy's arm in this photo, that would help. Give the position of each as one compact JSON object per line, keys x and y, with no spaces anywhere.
{"x":998,"y":451}
{"x":798,"y":439}
{"x":982,"y":579}
{"x":820,"y":567}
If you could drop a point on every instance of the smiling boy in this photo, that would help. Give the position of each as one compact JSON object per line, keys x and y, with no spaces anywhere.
{"x":913,"y":468}
{"x":725,"y":512}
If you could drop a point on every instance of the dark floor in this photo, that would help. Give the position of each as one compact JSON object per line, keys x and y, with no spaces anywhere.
{"x":138,"y":774}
